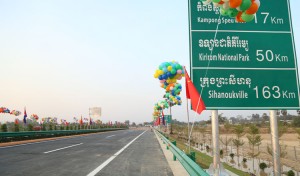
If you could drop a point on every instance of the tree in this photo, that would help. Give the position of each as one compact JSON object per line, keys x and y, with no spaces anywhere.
{"x":30,"y":127}
{"x":255,"y":117}
{"x":221,"y":118}
{"x":4,"y":128}
{"x":254,"y":139}
{"x":203,"y":135}
{"x":263,"y":166}
{"x":238,"y":142}
{"x":290,"y":173}
{"x":17,"y":128}
{"x":227,"y":140}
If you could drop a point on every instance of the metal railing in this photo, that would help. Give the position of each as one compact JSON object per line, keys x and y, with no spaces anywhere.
{"x":190,"y":166}
{"x":40,"y":134}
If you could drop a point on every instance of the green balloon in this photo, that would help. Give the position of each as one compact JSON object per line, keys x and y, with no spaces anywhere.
{"x":232,"y":12}
{"x":246,"y":17}
{"x":245,"y":5}
{"x":223,"y":12}
{"x":216,"y":1}
{"x":173,"y":71}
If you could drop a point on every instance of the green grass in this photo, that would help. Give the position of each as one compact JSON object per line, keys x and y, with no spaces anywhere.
{"x":204,"y":160}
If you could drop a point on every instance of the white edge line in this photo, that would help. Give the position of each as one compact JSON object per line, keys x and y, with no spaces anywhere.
{"x":62,"y":148}
{"x":99,"y":168}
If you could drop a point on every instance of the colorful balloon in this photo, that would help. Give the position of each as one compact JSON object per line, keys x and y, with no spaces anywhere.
{"x":241,"y":10}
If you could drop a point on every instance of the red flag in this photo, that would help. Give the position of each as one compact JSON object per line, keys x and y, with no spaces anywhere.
{"x":80,"y":121}
{"x":16,"y":121}
{"x":163,"y":118}
{"x":193,"y":94}
{"x":187,"y":93}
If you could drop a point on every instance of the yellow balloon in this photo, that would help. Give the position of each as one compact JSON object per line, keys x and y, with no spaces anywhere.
{"x":160,"y":72}
{"x":169,"y":68}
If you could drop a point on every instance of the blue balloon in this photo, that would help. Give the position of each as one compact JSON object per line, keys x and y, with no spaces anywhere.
{"x":160,"y":77}
{"x":169,"y":74}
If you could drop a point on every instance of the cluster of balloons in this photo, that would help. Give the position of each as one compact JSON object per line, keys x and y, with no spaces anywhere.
{"x":49,"y":120}
{"x":174,"y":89}
{"x":169,"y":72}
{"x":163,"y":104}
{"x":6,"y":110}
{"x":174,"y":100}
{"x":34,"y":116}
{"x":15,"y":112}
{"x":242,"y":10}
{"x":155,"y":114}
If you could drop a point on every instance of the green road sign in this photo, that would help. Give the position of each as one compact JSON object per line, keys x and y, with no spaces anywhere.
{"x":168,"y":118}
{"x":244,"y":65}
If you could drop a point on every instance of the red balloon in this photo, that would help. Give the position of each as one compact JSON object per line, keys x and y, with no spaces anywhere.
{"x":235,"y":3}
{"x":253,"y":9}
{"x":239,"y":17}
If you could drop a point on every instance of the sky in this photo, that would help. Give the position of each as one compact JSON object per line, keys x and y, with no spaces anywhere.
{"x":58,"y":58}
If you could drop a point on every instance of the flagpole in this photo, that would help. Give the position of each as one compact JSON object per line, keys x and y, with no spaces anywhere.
{"x":171,"y":131}
{"x":188,"y":116}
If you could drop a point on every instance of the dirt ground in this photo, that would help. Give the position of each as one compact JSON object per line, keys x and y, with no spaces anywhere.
{"x":289,"y":141}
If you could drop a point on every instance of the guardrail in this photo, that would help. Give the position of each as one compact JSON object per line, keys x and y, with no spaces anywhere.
{"x":190,"y":166}
{"x":4,"y":136}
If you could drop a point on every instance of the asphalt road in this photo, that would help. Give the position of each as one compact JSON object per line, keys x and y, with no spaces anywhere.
{"x":122,"y":153}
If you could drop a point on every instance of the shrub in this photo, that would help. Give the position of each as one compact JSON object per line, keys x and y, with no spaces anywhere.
{"x":263,"y":166}
{"x":37,"y":128}
{"x":221,"y":152}
{"x":4,"y":128}
{"x":67,"y":128}
{"x":50,"y":127}
{"x":244,"y":160}
{"x":29,"y":127}
{"x":291,"y":173}
{"x":207,"y":148}
{"x":17,"y":128}
{"x":231,"y":155}
{"x":44,"y":127}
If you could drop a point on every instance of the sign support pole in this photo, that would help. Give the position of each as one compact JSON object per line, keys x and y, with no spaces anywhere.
{"x":188,"y":117}
{"x":275,"y":143}
{"x":215,"y":137}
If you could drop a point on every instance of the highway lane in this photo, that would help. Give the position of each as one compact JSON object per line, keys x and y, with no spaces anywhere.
{"x":71,"y":156}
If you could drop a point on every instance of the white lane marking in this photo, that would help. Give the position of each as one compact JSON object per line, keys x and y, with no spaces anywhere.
{"x":99,"y":168}
{"x":62,"y":148}
{"x":110,"y":136}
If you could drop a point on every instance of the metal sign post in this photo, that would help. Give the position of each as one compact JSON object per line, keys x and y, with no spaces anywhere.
{"x":275,"y":143}
{"x":215,"y":137}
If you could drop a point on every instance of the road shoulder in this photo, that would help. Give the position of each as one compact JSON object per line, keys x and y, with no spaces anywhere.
{"x":176,"y":167}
